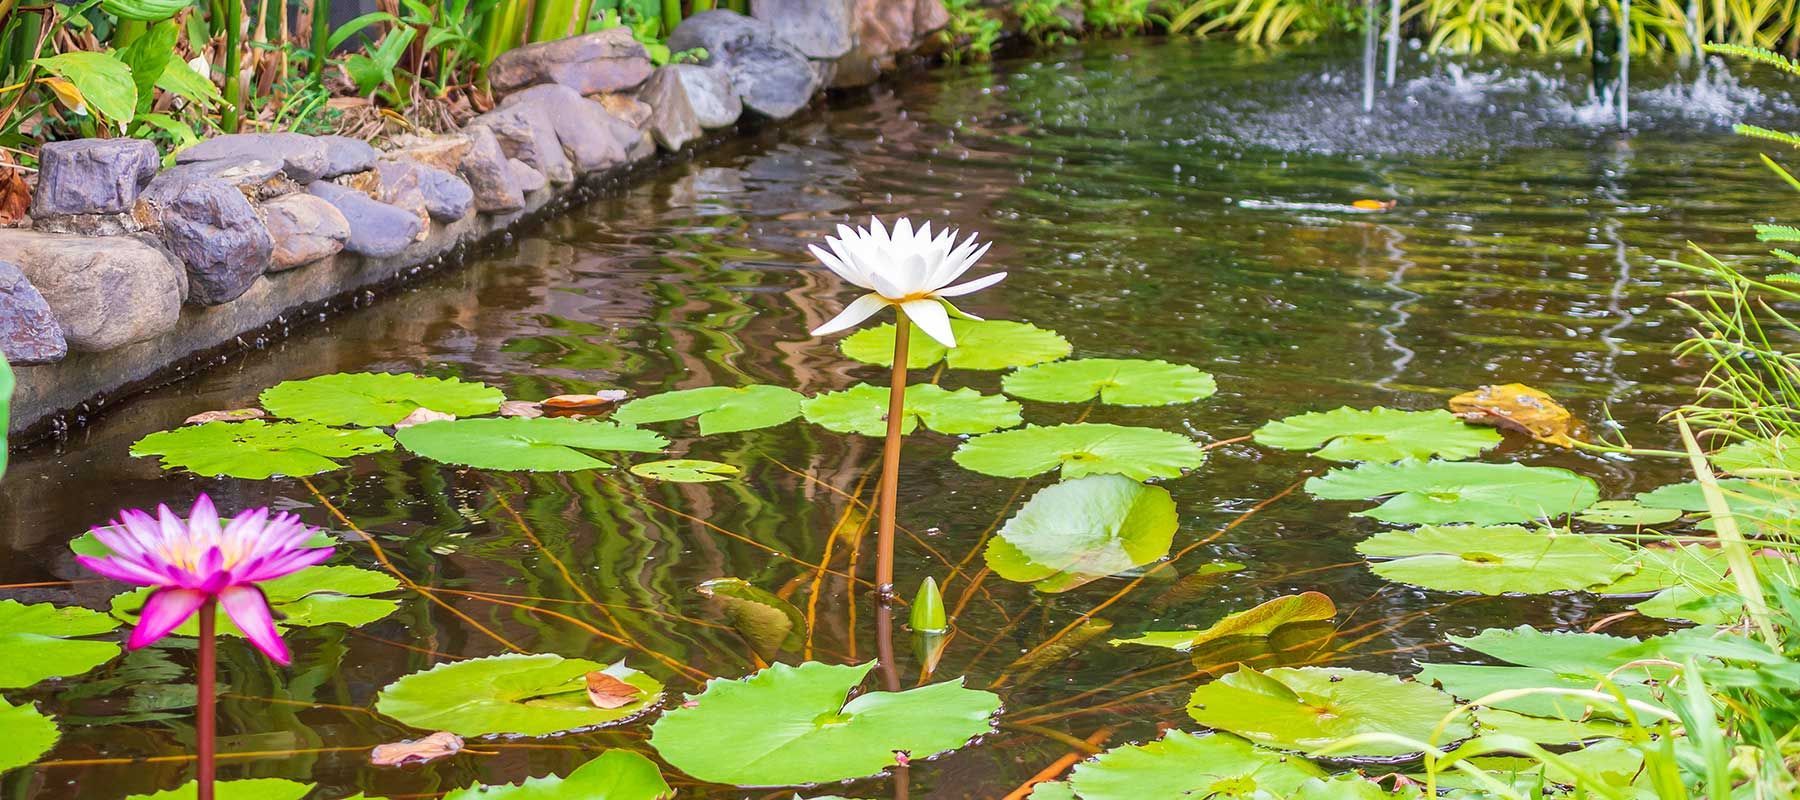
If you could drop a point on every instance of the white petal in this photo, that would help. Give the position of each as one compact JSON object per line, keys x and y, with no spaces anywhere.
{"x":929,"y":315}
{"x":833,"y":263}
{"x":888,"y":287}
{"x":862,"y":308}
{"x":973,"y":286}
{"x":960,"y":261}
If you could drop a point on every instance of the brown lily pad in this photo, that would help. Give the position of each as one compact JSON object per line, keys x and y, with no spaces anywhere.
{"x":229,"y":415}
{"x":442,"y":744}
{"x":606,"y":691}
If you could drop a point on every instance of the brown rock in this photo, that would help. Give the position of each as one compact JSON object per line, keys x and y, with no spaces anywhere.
{"x":305,"y":229}
{"x":484,"y":167}
{"x":630,"y":110}
{"x":603,"y":61}
{"x":672,"y":120}
{"x":443,"y":152}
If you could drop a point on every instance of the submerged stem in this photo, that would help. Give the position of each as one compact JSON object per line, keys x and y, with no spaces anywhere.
{"x":890,"y":459}
{"x":206,"y":727}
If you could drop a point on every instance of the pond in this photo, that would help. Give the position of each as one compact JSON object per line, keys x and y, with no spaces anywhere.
{"x":1176,"y":201}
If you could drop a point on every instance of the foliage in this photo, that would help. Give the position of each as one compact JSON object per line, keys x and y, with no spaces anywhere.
{"x":1183,"y":764}
{"x":543,"y":444}
{"x":1044,"y":21}
{"x":372,"y":399}
{"x":720,"y":409}
{"x":1496,"y":560}
{"x":1435,"y":492}
{"x":685,"y":470}
{"x":614,"y":775}
{"x":1082,"y":529}
{"x":29,"y":734}
{"x":972,"y":31}
{"x":256,"y":449}
{"x":1307,"y":708}
{"x":1378,"y":434}
{"x":41,"y":642}
{"x":511,"y":694}
{"x":1113,"y":381}
{"x":1080,"y":449}
{"x":1260,"y":621}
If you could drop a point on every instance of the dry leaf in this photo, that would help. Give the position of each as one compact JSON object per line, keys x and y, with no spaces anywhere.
{"x":606,"y":691}
{"x":1374,"y":205}
{"x":15,"y":196}
{"x":584,"y":402}
{"x":520,"y":408}
{"x":422,"y":416}
{"x":67,"y":93}
{"x":232,"y":415}
{"x":1517,"y":407}
{"x":442,"y":744}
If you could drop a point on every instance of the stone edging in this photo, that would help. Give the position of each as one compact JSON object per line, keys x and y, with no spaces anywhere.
{"x":129,"y":277}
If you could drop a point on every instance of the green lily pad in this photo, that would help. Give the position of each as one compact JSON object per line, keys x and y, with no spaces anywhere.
{"x":789,"y":725}
{"x":250,"y":789}
{"x":1081,"y":449}
{"x":863,"y":409}
{"x":1435,"y":492}
{"x":1500,"y":559}
{"x":1181,"y":764}
{"x":38,"y":642}
{"x":1351,"y":787}
{"x":721,"y":409}
{"x":980,"y":344}
{"x":1593,"y":654}
{"x":1547,"y":730}
{"x":1694,"y":605}
{"x":29,"y":735}
{"x":1759,"y":505}
{"x":1627,"y":513}
{"x":1474,"y":682}
{"x":1541,"y":659}
{"x":1654,"y":569}
{"x":1778,"y":457}
{"x":769,"y":623}
{"x":1379,"y":434}
{"x":615,"y":775}
{"x":1260,"y":621}
{"x":542,"y":444}
{"x":1084,"y":529}
{"x":256,"y":449}
{"x":371,"y":399}
{"x":1308,"y":708}
{"x":1052,"y":790}
{"x":511,"y":694}
{"x":321,"y":595}
{"x":1116,"y":381}
{"x":685,"y":470}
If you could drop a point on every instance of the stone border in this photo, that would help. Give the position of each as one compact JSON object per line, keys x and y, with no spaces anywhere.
{"x":130,"y":277}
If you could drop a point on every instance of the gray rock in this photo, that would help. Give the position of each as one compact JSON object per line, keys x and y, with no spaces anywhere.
{"x":445,"y":152}
{"x":377,"y":229}
{"x":527,"y":179}
{"x":485,"y":168}
{"x":106,"y":292}
{"x":709,"y":92}
{"x":771,"y":77}
{"x":304,"y":158}
{"x":445,"y":197}
{"x":91,"y":176}
{"x":256,"y":178}
{"x":344,"y":155}
{"x":593,"y":139}
{"x":89,"y":224}
{"x":28,"y":330}
{"x":603,"y":61}
{"x":212,"y":228}
{"x":817,"y":28}
{"x":526,"y":133}
{"x":304,"y":228}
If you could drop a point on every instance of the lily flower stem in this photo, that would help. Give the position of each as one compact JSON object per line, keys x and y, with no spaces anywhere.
{"x":206,"y":728}
{"x":890,"y":459}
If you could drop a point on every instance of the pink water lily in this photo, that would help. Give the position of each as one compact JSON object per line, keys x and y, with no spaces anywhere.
{"x":199,"y":559}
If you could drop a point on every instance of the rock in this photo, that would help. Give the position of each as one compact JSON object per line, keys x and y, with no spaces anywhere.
{"x":256,"y":178}
{"x":771,"y":77}
{"x":445,"y":197}
{"x":344,"y":155}
{"x":28,"y":330}
{"x":304,"y":228}
{"x":672,"y":119}
{"x":625,"y":108}
{"x":304,"y":158}
{"x":489,"y":177}
{"x":377,"y":230}
{"x":527,"y":134}
{"x":602,"y":61}
{"x":92,"y":176}
{"x":593,"y":139}
{"x":106,"y":292}
{"x":709,"y":92}
{"x":817,"y":28}
{"x":884,"y":29}
{"x":443,"y":152}
{"x":212,"y":228}
{"x":527,"y":179}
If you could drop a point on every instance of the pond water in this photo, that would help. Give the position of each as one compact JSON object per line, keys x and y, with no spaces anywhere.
{"x":1170,"y":201}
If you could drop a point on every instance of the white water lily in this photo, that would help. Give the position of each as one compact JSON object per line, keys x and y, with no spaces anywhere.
{"x":909,"y":269}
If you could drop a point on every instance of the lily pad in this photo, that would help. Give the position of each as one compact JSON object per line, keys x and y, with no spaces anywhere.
{"x":685,"y":470}
{"x":1116,"y":381}
{"x":1082,"y":449}
{"x":1181,"y":764}
{"x":1259,"y":621}
{"x":543,"y":444}
{"x":1080,"y":530}
{"x":1052,"y":790}
{"x":1627,"y":513}
{"x":1760,"y":504}
{"x":38,"y":642}
{"x":790,"y":725}
{"x":769,"y":623}
{"x":250,"y":789}
{"x":371,"y":399}
{"x":615,"y":775}
{"x":1351,"y":787}
{"x":321,"y":595}
{"x":1547,"y":730}
{"x":1655,"y":569}
{"x":1378,"y":434}
{"x":1473,"y":682}
{"x":1501,"y":559}
{"x":863,"y":409}
{"x":1434,"y":492}
{"x":1310,"y":707}
{"x":29,"y":735}
{"x":511,"y":694}
{"x":980,"y":344}
{"x":721,"y":409}
{"x":256,"y":449}
{"x":1593,"y":654}
{"x":1779,"y":457}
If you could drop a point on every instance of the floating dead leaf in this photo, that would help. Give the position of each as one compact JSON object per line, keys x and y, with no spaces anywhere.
{"x":1374,"y":205}
{"x":520,"y":408}
{"x":442,"y":744}
{"x":421,"y":416}
{"x":1517,"y":407}
{"x":229,"y":415}
{"x":584,"y":403}
{"x":606,"y":691}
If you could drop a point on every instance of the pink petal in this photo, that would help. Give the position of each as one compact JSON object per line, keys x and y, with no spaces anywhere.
{"x":863,"y":308}
{"x":250,"y":610}
{"x":284,"y":564}
{"x":121,"y":570}
{"x":163,"y":612}
{"x":203,"y":518}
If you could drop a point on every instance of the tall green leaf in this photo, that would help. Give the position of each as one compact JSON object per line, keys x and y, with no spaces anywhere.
{"x":104,"y":81}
